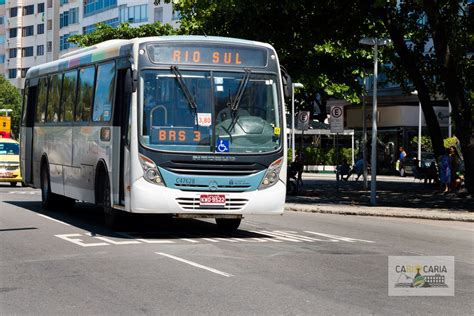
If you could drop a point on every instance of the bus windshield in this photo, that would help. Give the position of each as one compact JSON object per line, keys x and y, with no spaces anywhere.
{"x":204,"y":111}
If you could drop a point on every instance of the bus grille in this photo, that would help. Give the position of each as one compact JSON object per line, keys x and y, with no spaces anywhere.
{"x":193,"y":204}
{"x":213,"y":168}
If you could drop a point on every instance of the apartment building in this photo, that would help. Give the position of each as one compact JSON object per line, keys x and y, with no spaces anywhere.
{"x":36,"y":31}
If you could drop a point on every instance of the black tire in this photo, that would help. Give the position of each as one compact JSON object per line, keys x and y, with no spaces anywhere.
{"x":13,"y":184}
{"x":228,"y":224}
{"x":49,"y":200}
{"x":112,"y":217}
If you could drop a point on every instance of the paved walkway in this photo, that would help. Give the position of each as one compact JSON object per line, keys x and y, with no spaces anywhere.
{"x":396,"y":197}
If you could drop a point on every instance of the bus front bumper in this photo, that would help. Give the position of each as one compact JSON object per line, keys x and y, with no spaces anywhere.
{"x":149,"y":198}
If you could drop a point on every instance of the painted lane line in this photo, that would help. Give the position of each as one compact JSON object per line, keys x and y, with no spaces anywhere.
{"x":268,"y":233}
{"x":210,"y":239}
{"x":340,"y":238}
{"x":78,"y":241}
{"x":155,"y":241}
{"x":295,"y":236}
{"x":197,"y":265}
{"x":113,"y":242}
{"x":52,"y":219}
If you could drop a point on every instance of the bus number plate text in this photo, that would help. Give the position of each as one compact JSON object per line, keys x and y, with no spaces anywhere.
{"x":212,"y":200}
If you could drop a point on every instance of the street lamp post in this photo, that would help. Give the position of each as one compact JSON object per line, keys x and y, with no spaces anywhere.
{"x":419,"y":128}
{"x":293,"y":86}
{"x":373,"y":159}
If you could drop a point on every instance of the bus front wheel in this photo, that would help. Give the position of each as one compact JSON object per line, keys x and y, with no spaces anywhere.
{"x":49,"y":200}
{"x":228,"y":224}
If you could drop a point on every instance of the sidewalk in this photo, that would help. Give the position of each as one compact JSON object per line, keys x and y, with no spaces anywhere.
{"x":396,"y":197}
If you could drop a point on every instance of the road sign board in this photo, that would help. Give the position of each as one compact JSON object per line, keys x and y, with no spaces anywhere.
{"x":5,"y":124}
{"x":303,"y":120}
{"x":337,"y":119}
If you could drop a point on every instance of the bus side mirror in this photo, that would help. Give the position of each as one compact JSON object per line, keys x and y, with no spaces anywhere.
{"x":287,"y":83}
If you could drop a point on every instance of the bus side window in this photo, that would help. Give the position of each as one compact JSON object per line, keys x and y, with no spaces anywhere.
{"x":68,"y":95}
{"x":40,"y":112}
{"x":104,"y":92}
{"x":85,"y":93}
{"x":53,"y":98}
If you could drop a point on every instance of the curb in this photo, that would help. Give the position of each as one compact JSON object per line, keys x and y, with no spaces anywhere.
{"x":380,"y":211}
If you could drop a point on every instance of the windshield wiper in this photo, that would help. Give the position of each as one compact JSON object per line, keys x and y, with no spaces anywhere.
{"x":184,"y":88}
{"x":234,"y":106}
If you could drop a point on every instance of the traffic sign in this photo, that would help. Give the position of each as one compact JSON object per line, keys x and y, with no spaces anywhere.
{"x":5,"y":124}
{"x":303,"y":120}
{"x":337,"y":119}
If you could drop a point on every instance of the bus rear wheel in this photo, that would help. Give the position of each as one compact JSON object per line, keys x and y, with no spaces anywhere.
{"x":228,"y":224}
{"x":49,"y":200}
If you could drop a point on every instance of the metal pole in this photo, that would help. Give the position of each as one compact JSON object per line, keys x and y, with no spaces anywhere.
{"x":364,"y":137}
{"x":419,"y":133}
{"x":353,"y":158}
{"x":292,"y":122}
{"x":449,"y":120}
{"x":373,"y":158}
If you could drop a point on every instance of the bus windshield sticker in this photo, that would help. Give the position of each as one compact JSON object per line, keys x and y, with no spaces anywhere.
{"x":204,"y":119}
{"x":222,"y":145}
{"x":208,"y":55}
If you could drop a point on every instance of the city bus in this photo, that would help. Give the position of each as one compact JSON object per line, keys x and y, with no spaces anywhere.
{"x":189,"y":126}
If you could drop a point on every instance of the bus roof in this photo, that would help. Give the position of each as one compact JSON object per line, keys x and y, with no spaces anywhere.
{"x":118,"y":47}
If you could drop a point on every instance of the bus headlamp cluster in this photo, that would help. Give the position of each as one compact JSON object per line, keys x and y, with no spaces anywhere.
{"x":272,"y":175}
{"x":150,"y":171}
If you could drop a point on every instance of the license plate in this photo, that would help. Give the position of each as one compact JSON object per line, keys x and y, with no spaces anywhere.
{"x":212,"y":199}
{"x":6,"y":174}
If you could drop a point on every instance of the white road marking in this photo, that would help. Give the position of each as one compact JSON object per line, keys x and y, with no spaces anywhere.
{"x":340,"y":238}
{"x":210,"y":239}
{"x":294,"y":235}
{"x":79,"y":242}
{"x":155,"y":241}
{"x":264,"y":232}
{"x":113,"y":242}
{"x":197,"y":265}
{"x":52,"y":219}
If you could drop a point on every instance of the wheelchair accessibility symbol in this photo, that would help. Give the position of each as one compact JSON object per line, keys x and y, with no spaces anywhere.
{"x":222,"y":146}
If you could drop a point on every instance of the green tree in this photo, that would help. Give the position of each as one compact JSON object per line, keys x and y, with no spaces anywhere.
{"x":105,"y":32}
{"x":10,"y":98}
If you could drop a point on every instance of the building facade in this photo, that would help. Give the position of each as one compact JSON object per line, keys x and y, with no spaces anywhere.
{"x":36,"y":31}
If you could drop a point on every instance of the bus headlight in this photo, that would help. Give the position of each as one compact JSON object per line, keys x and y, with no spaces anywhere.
{"x":150,"y":171}
{"x":272,"y":175}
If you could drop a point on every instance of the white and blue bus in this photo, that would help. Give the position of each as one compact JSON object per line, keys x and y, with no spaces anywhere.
{"x":189,"y":126}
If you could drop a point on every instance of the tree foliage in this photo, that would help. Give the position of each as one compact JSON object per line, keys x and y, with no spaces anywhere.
{"x":10,"y":98}
{"x":104,"y":32}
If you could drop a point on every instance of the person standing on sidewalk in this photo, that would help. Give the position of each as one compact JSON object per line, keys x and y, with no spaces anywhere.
{"x":446,"y":170}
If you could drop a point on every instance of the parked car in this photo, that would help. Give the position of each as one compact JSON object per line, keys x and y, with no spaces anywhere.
{"x":406,"y":166}
{"x":10,"y":161}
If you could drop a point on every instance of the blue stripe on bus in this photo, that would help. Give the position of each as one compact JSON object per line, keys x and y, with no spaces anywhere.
{"x":202,"y":183}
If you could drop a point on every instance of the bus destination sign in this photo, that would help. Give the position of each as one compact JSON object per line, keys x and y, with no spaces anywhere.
{"x":208,"y":55}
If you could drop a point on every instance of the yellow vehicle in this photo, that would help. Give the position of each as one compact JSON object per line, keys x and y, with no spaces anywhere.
{"x":10,"y":161}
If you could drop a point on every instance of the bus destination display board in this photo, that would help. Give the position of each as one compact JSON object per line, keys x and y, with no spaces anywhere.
{"x":208,"y":55}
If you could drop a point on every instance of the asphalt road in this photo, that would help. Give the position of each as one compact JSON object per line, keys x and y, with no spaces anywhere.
{"x":66,"y":262}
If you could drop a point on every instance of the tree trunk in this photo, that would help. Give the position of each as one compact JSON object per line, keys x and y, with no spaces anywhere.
{"x":412,"y":65}
{"x":454,"y":84}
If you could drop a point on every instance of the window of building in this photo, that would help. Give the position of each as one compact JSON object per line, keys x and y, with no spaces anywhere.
{"x":11,"y":73}
{"x":85,"y":93}
{"x":64,"y":19}
{"x":2,"y":39}
{"x":53,"y":98}
{"x":40,"y":29}
{"x":95,"y":6}
{"x":41,"y":7}
{"x":40,"y":50}
{"x":13,"y":32}
{"x":50,"y":3}
{"x":29,"y":9}
{"x":40,"y":112}
{"x":27,"y":51}
{"x":61,"y":2}
{"x":2,"y":20}
{"x":2,"y":59}
{"x":158,"y":14}
{"x":49,"y":48}
{"x":50,"y":25}
{"x":68,"y":96}
{"x":13,"y":12}
{"x":134,"y":14}
{"x":23,"y":72}
{"x":104,"y":92}
{"x":90,"y":28}
{"x":28,"y":31}
{"x":176,"y":15}
{"x":74,"y":15}
{"x":12,"y":53}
